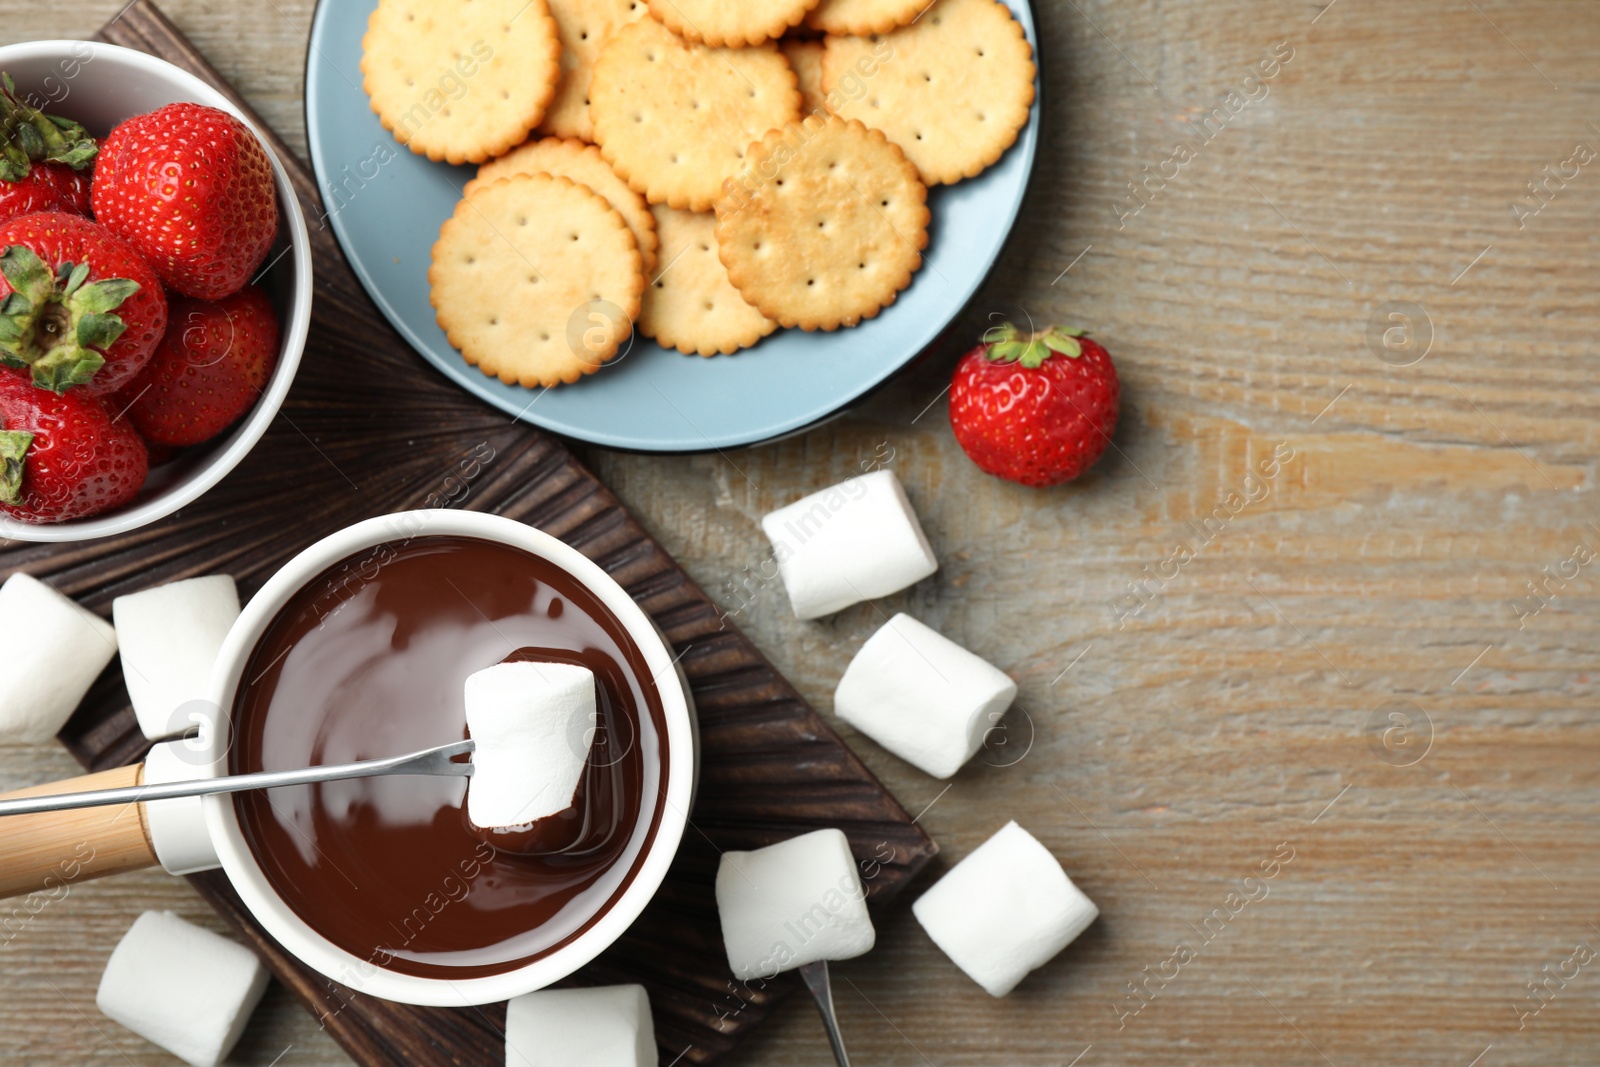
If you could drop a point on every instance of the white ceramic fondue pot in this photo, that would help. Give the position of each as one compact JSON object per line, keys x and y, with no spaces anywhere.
{"x":38,"y":852}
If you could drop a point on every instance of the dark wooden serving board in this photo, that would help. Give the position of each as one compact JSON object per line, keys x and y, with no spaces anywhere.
{"x":370,"y":429}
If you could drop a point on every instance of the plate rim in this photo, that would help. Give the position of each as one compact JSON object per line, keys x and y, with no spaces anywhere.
{"x":608,"y":439}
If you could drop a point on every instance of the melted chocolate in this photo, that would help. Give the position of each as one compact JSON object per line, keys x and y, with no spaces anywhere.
{"x":369,"y":660}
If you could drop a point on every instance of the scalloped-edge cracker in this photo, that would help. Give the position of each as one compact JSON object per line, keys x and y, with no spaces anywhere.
{"x":675,"y":118}
{"x":536,"y":280}
{"x":953,"y":92}
{"x":824,"y":224}
{"x":691,"y":305}
{"x":805,"y":59}
{"x":730,"y":23}
{"x":585,"y":27}
{"x":860,"y":18}
{"x":584,"y":164}
{"x":460,"y":82}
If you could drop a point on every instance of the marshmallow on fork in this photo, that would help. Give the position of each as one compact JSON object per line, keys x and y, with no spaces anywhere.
{"x":856,"y":541}
{"x":182,"y":987}
{"x":1004,"y":910}
{"x":533,"y":724}
{"x":170,"y":637}
{"x":793,"y":903}
{"x":58,"y":650}
{"x":603,"y":1026}
{"x":922,"y":696}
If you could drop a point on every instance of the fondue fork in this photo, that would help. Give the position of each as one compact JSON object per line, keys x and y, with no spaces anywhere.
{"x":434,"y":761}
{"x":821,"y":987}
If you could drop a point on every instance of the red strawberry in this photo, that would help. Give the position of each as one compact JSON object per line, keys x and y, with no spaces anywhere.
{"x":160,"y":455}
{"x":29,"y":136}
{"x":191,"y":189}
{"x":1037,"y":409}
{"x":62,"y":456}
{"x":46,"y":187}
{"x":44,"y":159}
{"x":210,"y":368}
{"x":80,"y":307}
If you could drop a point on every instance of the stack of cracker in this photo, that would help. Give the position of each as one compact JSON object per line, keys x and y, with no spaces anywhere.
{"x":705,"y":170}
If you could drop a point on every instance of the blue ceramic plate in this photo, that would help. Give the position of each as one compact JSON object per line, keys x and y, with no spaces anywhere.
{"x":386,"y":206}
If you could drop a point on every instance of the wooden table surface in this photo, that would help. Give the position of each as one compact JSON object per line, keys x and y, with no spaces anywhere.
{"x":1381,"y":662}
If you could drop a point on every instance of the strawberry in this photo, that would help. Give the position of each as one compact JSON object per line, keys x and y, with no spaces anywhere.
{"x":160,"y":455}
{"x":29,"y":136}
{"x":46,"y":187}
{"x":1038,"y":408}
{"x":190,"y":187}
{"x":80,"y":307}
{"x":44,"y":159}
{"x":209,"y":369}
{"x":61,"y":455}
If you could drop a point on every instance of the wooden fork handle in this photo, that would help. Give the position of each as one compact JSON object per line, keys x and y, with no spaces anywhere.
{"x":51,"y":851}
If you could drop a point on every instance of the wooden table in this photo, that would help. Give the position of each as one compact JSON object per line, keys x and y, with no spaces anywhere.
{"x":1347,"y":662}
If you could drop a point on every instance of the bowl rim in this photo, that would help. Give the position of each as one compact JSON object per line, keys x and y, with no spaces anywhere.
{"x":294,"y":331}
{"x":299,"y":937}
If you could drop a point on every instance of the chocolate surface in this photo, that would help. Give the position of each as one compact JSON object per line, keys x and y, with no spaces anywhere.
{"x":369,"y":660}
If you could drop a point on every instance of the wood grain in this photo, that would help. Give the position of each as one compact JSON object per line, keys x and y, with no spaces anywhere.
{"x":47,"y":853}
{"x":1181,"y":748}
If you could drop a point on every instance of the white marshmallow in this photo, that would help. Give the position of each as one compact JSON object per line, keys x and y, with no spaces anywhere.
{"x":178,"y":830}
{"x":1004,"y":910}
{"x":922,"y":696}
{"x":792,"y":903}
{"x":533,"y":724}
{"x":58,"y":650}
{"x":604,"y":1026}
{"x":170,"y":637}
{"x":182,"y":987}
{"x":856,"y":541}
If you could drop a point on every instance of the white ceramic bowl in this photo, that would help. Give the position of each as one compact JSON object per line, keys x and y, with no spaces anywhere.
{"x":300,"y":938}
{"x":99,"y":85}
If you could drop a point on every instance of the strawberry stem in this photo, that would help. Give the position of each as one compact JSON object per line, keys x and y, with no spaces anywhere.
{"x":29,"y":136}
{"x":1007,"y":344}
{"x":55,"y":324}
{"x":13,"y":452}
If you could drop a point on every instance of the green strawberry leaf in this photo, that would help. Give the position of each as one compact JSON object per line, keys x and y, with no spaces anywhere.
{"x":66,"y":366}
{"x":999,"y":334}
{"x":76,"y":275}
{"x":104,"y":295}
{"x":1034,"y":355}
{"x":30,"y":136}
{"x":1009,"y":345}
{"x":99,"y":330}
{"x":13,"y":456}
{"x":1063,"y":342}
{"x":27,"y":273}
